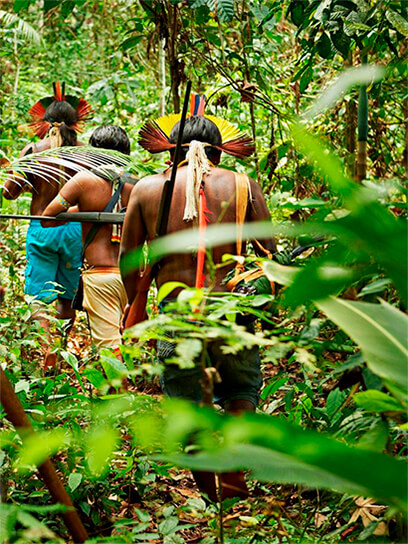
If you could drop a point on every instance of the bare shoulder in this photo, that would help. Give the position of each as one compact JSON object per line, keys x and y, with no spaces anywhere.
{"x":151,"y":181}
{"x":84,"y":179}
{"x":148,"y":186}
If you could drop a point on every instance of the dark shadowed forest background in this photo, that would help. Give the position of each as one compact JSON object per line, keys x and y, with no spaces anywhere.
{"x":321,"y":87}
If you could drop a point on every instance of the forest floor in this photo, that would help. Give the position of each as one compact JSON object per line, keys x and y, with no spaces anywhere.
{"x":168,"y":507}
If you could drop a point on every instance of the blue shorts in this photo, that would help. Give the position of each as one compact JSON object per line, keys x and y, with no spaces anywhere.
{"x":53,"y":261}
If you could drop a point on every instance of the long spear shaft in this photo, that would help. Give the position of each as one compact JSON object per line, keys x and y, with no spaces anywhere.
{"x":85,"y":217}
{"x":168,"y":187}
{"x":137,"y":310}
{"x":16,"y":414}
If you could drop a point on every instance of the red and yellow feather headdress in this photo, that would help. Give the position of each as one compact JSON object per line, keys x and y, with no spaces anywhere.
{"x":82,"y":107}
{"x":154,"y":135}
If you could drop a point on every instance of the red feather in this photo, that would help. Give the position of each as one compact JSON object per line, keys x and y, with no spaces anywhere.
{"x":41,"y":128}
{"x":152,"y":138}
{"x":58,"y":94}
{"x":240,"y":147}
{"x":84,"y":110}
{"x":37,"y":111}
{"x":203,"y":219}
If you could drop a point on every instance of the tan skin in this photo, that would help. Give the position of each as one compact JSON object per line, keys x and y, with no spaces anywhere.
{"x":141,"y":217}
{"x":42,"y":194}
{"x":140,"y":225}
{"x":91,"y":194}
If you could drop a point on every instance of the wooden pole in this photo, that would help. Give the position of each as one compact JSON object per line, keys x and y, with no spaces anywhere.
{"x":15,"y":413}
{"x":361,"y":162}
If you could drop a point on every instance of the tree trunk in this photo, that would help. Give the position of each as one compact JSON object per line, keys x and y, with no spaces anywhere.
{"x":175,"y":67}
{"x":351,"y":125}
{"x":162,"y":76}
{"x":272,"y":159}
{"x":361,"y":162}
{"x":405,"y":152}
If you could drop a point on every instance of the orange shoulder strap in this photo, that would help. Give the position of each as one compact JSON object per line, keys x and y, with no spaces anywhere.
{"x":241,"y":199}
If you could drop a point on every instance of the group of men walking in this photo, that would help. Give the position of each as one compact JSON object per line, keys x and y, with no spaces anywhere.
{"x":204,"y":193}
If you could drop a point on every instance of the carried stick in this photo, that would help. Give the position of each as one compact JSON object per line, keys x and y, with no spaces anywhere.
{"x":137,"y":311}
{"x":67,"y":217}
{"x":16,"y":414}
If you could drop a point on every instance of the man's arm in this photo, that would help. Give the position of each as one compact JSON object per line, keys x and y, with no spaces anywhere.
{"x":258,"y":211}
{"x":12,"y":188}
{"x":133,"y":236}
{"x":66,"y":200}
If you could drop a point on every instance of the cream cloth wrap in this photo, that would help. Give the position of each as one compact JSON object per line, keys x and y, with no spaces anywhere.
{"x":104,"y":300}
{"x":197,"y":165}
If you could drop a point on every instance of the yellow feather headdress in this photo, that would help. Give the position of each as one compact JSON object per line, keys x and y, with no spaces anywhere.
{"x":154,"y":135}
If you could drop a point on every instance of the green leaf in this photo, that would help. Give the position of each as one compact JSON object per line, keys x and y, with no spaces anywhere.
{"x":374,"y":287}
{"x":50,"y":4}
{"x":334,"y":402}
{"x":397,"y":21}
{"x":275,"y":450}
{"x":377,"y":401}
{"x":194,"y":4}
{"x":284,"y":275}
{"x":20,"y":5}
{"x":306,"y":78}
{"x":297,"y":12}
{"x":131,"y":42}
{"x":74,"y":479}
{"x":341,"y":42}
{"x":379,"y":329}
{"x":168,"y":526}
{"x":187,"y":351}
{"x":362,"y":75}
{"x":317,"y":281}
{"x":223,"y":9}
{"x":38,"y":446}
{"x":324,"y":46}
{"x":100,"y":444}
{"x":22,"y":28}
{"x":376,"y":438}
{"x":113,"y":367}
{"x":167,"y":288}
{"x":323,"y":6}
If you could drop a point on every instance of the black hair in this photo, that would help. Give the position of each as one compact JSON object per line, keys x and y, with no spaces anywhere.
{"x":63,"y":112}
{"x":203,"y":130}
{"x":111,"y":137}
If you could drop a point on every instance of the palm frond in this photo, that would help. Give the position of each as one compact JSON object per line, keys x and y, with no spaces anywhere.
{"x":22,"y":28}
{"x":57,"y":164}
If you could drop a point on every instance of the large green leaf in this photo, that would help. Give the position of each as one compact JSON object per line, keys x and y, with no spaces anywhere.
{"x":397,"y":21}
{"x":379,"y":329}
{"x":377,"y":401}
{"x":23,"y":29}
{"x":38,"y":446}
{"x":369,"y":230}
{"x":100,"y":445}
{"x":224,"y":9}
{"x":275,"y":450}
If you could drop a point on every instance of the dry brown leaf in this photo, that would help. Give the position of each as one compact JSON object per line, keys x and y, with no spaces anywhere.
{"x":319,"y":519}
{"x":368,"y":511}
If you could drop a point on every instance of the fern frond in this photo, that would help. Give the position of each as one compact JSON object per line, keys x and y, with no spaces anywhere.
{"x":24,"y":29}
{"x":52,"y":165}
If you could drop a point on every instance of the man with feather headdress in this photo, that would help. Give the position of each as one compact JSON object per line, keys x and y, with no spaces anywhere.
{"x":204,"y":193}
{"x":53,"y":256}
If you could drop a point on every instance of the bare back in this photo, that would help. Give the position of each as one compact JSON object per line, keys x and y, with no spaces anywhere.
{"x":91,"y":194}
{"x":219,"y":188}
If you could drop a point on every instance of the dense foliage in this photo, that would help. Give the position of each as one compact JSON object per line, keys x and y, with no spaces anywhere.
{"x":327,"y":449}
